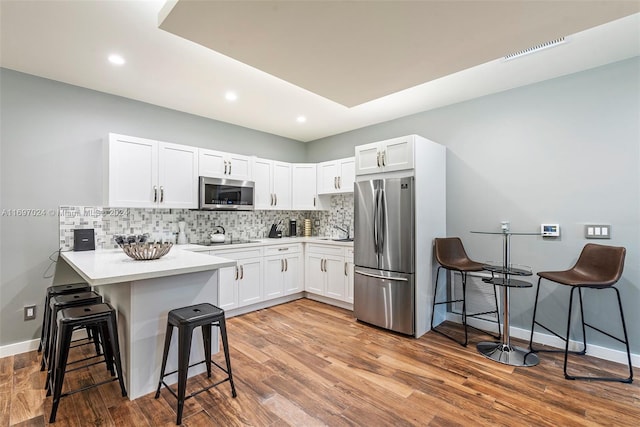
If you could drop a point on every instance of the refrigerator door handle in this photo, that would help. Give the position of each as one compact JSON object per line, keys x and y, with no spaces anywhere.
{"x":381,"y":221}
{"x":375,"y":221}
{"x":397,"y":279}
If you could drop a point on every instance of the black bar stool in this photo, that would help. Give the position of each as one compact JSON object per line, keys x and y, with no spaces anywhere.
{"x":186,"y":319}
{"x":101,"y":317}
{"x":56,"y":304}
{"x":51,"y":292}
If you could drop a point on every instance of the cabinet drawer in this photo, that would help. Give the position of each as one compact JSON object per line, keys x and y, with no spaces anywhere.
{"x":282,"y":249}
{"x":325,"y":249}
{"x":238,"y":253}
{"x":348,"y":253}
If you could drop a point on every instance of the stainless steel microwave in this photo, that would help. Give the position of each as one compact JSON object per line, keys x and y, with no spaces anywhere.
{"x":226,"y":194}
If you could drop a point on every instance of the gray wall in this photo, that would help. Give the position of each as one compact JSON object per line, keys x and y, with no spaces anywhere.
{"x":562,"y":151}
{"x":50,"y":156}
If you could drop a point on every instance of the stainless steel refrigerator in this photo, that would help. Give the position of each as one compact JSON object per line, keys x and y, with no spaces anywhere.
{"x":384,"y":253}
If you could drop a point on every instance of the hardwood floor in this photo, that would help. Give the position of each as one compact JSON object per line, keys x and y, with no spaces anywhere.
{"x":309,"y":364}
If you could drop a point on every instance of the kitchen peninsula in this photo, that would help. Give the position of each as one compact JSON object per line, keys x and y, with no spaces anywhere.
{"x":143,"y":292}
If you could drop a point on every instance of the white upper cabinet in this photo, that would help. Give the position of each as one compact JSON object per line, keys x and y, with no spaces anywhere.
{"x":303,"y":186}
{"x":336,"y":176}
{"x":385,"y":156}
{"x":272,"y":184}
{"x":144,"y":173}
{"x":218,"y":164}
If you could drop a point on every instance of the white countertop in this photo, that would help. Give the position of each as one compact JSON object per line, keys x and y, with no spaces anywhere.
{"x":103,"y":267}
{"x":266,"y":242}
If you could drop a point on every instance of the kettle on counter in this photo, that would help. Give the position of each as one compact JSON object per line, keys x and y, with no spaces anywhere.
{"x":217,"y":236}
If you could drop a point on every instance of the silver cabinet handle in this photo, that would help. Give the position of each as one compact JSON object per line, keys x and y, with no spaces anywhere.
{"x":286,"y":264}
{"x":396,"y":279}
{"x":271,"y":199}
{"x":345,"y":268}
{"x":275,"y":196}
{"x":314,"y":201}
{"x":225,"y":167}
{"x":237,"y":273}
{"x":229,"y":167}
{"x":241,"y":272}
{"x":161,"y":194}
{"x":383,"y":159}
{"x":339,"y":182}
{"x":283,"y":249}
{"x":335,"y":182}
{"x":155,"y":194}
{"x":378,"y":158}
{"x":281,"y":265}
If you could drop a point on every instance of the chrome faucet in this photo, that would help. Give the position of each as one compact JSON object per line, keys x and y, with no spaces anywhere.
{"x":344,"y":229}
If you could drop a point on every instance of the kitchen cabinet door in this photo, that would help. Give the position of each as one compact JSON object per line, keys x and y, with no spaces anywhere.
{"x":177,"y":176}
{"x":327,"y":177}
{"x":334,"y":277}
{"x":228,"y":288}
{"x":273,"y":277}
{"x":218,"y":164}
{"x":348,"y":265}
{"x":347,"y":174}
{"x":250,"y":282}
{"x":293,"y":279}
{"x":303,"y":186}
{"x":314,"y":273}
{"x":131,"y":172}
{"x":262,"y":177}
{"x":281,"y":184}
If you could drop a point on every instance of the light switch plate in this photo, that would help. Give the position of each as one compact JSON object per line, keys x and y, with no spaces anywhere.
{"x":597,"y":231}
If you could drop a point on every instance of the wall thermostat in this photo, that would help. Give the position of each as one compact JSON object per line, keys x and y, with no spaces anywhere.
{"x":550,"y":230}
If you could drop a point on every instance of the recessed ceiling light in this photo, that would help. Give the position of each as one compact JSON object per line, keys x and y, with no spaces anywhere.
{"x":301,"y":119}
{"x":116,"y":59}
{"x":230,"y":96}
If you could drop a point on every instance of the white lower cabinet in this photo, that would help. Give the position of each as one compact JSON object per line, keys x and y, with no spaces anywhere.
{"x":265,"y":273}
{"x":328,"y":272}
{"x":240,"y":285}
{"x":283,"y":270}
{"x":348,"y":272}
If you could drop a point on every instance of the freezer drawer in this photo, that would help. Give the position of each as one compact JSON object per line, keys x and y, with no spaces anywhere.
{"x":384,"y":299}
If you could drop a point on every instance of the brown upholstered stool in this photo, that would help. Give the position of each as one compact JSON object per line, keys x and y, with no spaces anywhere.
{"x":598,"y":267}
{"x":450,"y":254}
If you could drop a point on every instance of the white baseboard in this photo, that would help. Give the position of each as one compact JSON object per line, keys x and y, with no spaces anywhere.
{"x":553,"y":341}
{"x":30,"y":345}
{"x":19,"y":347}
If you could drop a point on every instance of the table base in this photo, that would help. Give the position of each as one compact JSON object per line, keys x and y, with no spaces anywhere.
{"x":508,"y":355}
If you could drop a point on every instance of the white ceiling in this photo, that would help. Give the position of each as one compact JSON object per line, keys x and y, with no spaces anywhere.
{"x":69,"y":41}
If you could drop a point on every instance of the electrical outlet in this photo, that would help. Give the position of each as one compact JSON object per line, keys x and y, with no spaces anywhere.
{"x":29,"y":312}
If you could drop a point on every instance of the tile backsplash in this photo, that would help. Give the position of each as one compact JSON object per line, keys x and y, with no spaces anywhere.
{"x":162,"y":224}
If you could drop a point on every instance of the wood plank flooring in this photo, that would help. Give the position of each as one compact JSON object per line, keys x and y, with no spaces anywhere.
{"x":309,"y":364}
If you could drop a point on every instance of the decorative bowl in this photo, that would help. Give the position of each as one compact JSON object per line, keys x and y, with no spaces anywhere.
{"x":146,"y":251}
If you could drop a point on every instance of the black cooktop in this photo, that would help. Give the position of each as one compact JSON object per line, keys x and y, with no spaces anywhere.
{"x":225,"y":243}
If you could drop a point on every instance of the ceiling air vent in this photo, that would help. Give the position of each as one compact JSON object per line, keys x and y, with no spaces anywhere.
{"x":536,"y":48}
